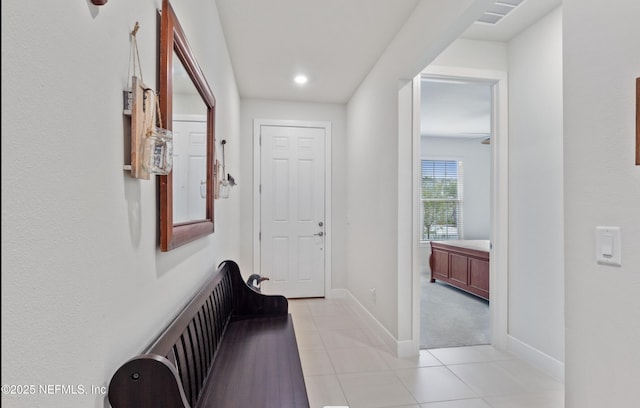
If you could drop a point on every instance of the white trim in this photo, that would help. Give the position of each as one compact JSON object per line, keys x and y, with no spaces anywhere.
{"x":441,"y":157}
{"x":401,"y":348}
{"x":499,"y":269}
{"x":415,"y":213}
{"x":188,"y":117}
{"x":406,"y":348}
{"x":498,"y":280}
{"x":404,"y":221}
{"x":371,"y":322}
{"x":536,"y":358}
{"x":257,"y":124}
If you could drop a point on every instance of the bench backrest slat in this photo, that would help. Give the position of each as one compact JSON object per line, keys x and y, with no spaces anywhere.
{"x":204,"y":337}
{"x":194,"y":360}
{"x":209,"y":322}
{"x":187,"y":361}
{"x":202,"y":363}
{"x":192,"y":340}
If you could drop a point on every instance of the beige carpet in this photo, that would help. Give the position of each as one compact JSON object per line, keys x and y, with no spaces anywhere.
{"x":450,"y":317}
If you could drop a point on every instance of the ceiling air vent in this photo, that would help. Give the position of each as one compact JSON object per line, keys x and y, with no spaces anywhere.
{"x":499,"y":10}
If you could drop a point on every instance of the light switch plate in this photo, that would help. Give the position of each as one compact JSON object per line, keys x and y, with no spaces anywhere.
{"x":608,"y":246}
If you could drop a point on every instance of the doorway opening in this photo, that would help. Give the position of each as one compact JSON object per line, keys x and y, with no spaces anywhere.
{"x":461,"y":165}
{"x":455,"y":187}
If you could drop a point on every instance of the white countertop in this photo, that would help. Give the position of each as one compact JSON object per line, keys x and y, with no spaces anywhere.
{"x":477,"y":244}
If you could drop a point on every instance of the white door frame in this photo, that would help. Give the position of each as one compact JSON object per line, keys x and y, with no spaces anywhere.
{"x":498,"y":275}
{"x":257,"y":125}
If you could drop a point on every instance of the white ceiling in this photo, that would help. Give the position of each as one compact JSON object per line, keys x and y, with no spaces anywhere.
{"x":334,"y":42}
{"x":463,"y":110}
{"x":455,"y":109}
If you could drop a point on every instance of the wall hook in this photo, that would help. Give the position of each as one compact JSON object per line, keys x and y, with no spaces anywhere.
{"x":135,"y":28}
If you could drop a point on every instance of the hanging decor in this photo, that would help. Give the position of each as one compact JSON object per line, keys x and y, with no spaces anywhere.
{"x":225,"y":181}
{"x":157,"y":142}
{"x":151,"y":144}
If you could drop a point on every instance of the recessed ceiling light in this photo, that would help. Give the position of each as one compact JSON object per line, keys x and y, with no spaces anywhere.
{"x":301,"y":79}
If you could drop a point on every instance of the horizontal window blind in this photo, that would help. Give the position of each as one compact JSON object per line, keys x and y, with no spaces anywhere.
{"x":441,"y":199}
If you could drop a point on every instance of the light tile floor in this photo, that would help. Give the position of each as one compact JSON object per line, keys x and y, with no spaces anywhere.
{"x":346,"y":364}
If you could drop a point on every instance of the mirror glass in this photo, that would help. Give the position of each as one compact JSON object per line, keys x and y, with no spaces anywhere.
{"x":187,"y":107}
{"x":189,"y":148}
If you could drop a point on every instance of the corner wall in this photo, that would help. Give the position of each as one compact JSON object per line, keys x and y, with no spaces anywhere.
{"x":373,"y":220}
{"x":602,"y":188}
{"x":84,"y":286}
{"x":536,"y":258}
{"x":533,"y":60}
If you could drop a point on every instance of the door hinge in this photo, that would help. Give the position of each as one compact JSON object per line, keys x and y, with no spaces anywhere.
{"x":259,"y":236}
{"x":259,"y":188}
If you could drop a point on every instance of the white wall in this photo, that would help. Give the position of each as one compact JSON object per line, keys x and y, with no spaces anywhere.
{"x":474,"y":54}
{"x":84,"y":286}
{"x":372,"y":160}
{"x":536,"y":299}
{"x":535,"y":192}
{"x":252,"y":109}
{"x":602,"y":188}
{"x":188,"y":104}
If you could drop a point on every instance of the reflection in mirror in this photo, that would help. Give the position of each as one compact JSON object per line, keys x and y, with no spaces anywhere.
{"x":189,"y":149}
{"x":188,"y":106}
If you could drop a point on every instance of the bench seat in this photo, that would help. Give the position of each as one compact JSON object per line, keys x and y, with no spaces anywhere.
{"x":257,"y":366}
{"x":229,"y":347}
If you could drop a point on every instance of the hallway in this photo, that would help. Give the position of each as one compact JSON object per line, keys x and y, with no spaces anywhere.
{"x":346,"y":364}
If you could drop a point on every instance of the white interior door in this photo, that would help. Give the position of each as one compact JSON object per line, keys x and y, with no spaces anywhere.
{"x":292,"y":210}
{"x":189,"y":169}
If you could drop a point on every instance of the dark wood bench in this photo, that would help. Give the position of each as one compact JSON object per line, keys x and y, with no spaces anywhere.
{"x":229,"y":347}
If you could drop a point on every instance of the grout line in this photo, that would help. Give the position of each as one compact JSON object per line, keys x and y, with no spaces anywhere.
{"x":486,"y":356}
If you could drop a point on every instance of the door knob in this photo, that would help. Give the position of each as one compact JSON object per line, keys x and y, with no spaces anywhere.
{"x":319,"y":234}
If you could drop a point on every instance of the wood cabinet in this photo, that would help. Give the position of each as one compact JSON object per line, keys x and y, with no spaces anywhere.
{"x":463,"y":264}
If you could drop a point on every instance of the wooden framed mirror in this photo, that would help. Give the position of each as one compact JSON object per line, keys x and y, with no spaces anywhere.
{"x":185,"y":93}
{"x":638,"y":121}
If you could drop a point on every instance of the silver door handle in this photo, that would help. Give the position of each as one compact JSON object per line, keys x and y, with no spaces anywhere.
{"x":319,"y":234}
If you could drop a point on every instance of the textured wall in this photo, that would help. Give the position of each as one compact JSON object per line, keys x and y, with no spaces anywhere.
{"x":373,"y":159}
{"x":84,"y":286}
{"x":602,"y":188}
{"x":536,"y":292}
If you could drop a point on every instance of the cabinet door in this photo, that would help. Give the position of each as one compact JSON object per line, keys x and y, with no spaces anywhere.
{"x":479,"y":276}
{"x":458,"y":269}
{"x":440,"y":264}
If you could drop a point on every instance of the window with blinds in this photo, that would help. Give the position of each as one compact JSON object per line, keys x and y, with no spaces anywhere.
{"x":441,"y":200}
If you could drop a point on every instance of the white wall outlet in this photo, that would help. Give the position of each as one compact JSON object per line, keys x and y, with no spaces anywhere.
{"x":608,"y":246}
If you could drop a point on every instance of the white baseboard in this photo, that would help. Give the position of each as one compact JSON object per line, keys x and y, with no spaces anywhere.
{"x":399,"y":348}
{"x":536,"y":358}
{"x":407,"y":348}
